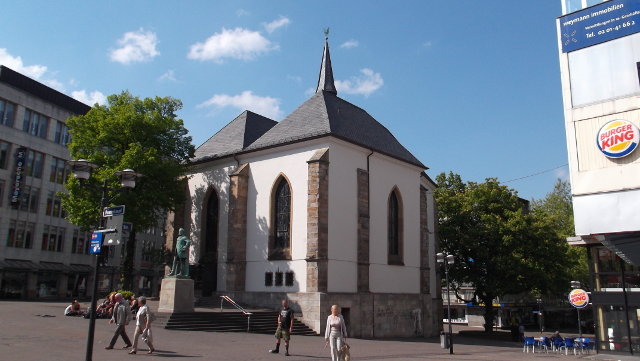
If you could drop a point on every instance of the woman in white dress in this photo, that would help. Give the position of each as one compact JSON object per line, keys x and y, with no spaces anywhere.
{"x":142,"y":323}
{"x":335,"y":333}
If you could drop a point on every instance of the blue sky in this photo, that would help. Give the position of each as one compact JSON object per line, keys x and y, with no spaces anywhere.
{"x":467,"y":86}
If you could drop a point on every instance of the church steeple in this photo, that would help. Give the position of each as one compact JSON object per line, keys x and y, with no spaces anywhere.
{"x":325,"y":81}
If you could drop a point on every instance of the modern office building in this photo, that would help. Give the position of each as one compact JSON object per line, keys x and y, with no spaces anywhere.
{"x":42,"y":255}
{"x":599,"y":48}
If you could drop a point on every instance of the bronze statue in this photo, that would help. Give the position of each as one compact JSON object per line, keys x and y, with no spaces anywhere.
{"x":180,"y":268}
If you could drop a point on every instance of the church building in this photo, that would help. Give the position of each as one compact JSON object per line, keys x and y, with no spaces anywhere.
{"x":324,"y":207}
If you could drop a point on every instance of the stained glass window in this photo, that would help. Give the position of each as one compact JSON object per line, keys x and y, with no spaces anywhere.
{"x":282,"y":215}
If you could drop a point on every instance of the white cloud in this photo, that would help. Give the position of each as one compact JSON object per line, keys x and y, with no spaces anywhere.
{"x":73,"y":82}
{"x":309,"y":91}
{"x":365,"y":84}
{"x":15,"y":63}
{"x":238,"y":43}
{"x":562,"y":173}
{"x":136,"y":46}
{"x":427,"y":44}
{"x":272,"y":26}
{"x":242,"y":12}
{"x":37,"y":72}
{"x":266,"y":106}
{"x":350,"y":44}
{"x":89,"y":99}
{"x":169,"y":75}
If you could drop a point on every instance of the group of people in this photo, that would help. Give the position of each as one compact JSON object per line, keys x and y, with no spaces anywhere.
{"x":121,"y":315}
{"x":105,"y":309}
{"x":335,"y":333}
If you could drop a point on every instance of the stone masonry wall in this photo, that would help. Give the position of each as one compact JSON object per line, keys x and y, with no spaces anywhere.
{"x":237,"y":237}
{"x":363,"y":230}
{"x":318,"y":221}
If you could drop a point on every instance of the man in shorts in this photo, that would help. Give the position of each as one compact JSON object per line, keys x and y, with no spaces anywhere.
{"x":285,"y":326}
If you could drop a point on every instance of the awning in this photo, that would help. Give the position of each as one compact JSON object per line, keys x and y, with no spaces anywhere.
{"x":18,"y":265}
{"x":109,"y":269}
{"x":53,"y":267}
{"x":81,"y":268}
{"x":626,"y":245}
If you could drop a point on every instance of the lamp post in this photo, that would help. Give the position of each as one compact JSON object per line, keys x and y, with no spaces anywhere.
{"x":539,"y":301}
{"x":440,"y":257}
{"x":82,"y":171}
{"x":575,"y":285}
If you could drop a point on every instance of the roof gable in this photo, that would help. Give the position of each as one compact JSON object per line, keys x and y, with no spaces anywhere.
{"x":327,"y":114}
{"x":235,"y":136}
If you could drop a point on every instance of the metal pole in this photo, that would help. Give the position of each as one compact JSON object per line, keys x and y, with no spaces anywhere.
{"x":446,"y":273}
{"x":579,"y":323}
{"x":626,"y":305}
{"x":96,"y":273}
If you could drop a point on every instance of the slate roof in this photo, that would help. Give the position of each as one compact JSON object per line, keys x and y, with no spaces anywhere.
{"x":235,"y":136}
{"x":327,"y":114}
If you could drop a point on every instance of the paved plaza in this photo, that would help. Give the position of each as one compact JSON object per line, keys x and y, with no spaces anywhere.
{"x":25,"y":336}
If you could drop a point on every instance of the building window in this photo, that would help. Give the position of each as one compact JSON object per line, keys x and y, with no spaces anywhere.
{"x":62,"y":134}
{"x":7,"y":112}
{"x":394,"y":228}
{"x":48,"y":211}
{"x":24,"y":198}
{"x":288,"y":278}
{"x":4,"y":154}
{"x":57,"y":202}
{"x":279,"y":277}
{"x":59,"y":170}
{"x":35,"y":124}
{"x":1,"y":191}
{"x":53,"y":239}
{"x":34,"y":164}
{"x":211,"y":235}
{"x":268,"y":279}
{"x":281,"y":248}
{"x":33,"y":200}
{"x":11,"y":234}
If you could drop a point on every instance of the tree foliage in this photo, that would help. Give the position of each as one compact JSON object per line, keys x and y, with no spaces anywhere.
{"x":130,"y":133}
{"x":558,"y":206}
{"x":499,"y":247}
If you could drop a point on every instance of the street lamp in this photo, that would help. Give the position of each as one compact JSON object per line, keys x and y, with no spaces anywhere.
{"x":440,"y":257}
{"x":539,"y":301}
{"x":575,"y":285}
{"x":82,"y":169}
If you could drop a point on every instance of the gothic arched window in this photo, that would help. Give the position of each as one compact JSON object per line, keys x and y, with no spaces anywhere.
{"x":394,"y":228}
{"x":281,"y":243}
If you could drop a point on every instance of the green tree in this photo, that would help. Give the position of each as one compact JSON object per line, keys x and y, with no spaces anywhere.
{"x":499,"y":247}
{"x":558,"y":205}
{"x":141,"y":134}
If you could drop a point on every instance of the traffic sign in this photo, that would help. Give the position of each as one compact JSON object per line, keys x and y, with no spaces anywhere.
{"x":113,"y":211}
{"x":127,"y":226}
{"x":96,"y":242}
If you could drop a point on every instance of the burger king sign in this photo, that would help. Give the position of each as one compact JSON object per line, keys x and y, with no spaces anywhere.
{"x":618,"y":138}
{"x":579,"y":298}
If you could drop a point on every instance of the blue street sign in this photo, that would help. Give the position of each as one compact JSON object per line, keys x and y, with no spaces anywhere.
{"x":597,"y":24}
{"x":127,"y":227}
{"x":113,"y":211}
{"x":96,"y":242}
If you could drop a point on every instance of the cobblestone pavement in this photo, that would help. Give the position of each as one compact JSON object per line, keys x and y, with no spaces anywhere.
{"x":24,"y":336}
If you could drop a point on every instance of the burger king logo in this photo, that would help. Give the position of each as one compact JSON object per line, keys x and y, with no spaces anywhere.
{"x":618,"y":138}
{"x":579,"y":298}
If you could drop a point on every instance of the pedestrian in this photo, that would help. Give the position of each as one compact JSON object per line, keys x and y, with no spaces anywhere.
{"x":335,"y":333}
{"x":514,"y":330}
{"x":143,"y":323}
{"x":285,"y":327}
{"x":521,"y":332}
{"x":121,"y":315}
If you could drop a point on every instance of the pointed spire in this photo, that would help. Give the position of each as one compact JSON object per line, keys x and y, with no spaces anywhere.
{"x":325,"y":81}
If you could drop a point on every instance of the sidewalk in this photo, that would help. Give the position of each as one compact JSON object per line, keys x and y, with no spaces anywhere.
{"x":23,"y":336}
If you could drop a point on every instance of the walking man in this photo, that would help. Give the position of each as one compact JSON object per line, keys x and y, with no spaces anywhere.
{"x":121,"y":316}
{"x":285,"y":327}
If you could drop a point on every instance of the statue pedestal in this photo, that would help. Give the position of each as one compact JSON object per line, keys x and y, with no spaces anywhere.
{"x":176,"y":295}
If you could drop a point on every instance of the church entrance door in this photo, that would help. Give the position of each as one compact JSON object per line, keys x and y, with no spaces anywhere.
{"x":210,"y":264}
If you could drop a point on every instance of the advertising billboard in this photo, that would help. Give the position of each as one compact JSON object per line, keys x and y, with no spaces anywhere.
{"x":597,"y":24}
